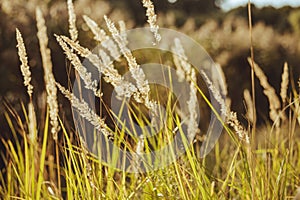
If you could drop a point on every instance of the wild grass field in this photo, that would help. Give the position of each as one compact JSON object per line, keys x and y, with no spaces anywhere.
{"x":65,"y":135}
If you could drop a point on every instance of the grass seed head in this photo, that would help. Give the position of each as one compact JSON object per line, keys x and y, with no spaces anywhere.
{"x":72,"y":21}
{"x":24,"y":63}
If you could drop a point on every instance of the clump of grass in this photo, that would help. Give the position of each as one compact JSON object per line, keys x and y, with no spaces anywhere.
{"x":226,"y":173}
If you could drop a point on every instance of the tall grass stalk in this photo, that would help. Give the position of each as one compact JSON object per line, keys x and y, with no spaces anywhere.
{"x":253,"y":132}
{"x":50,"y":83}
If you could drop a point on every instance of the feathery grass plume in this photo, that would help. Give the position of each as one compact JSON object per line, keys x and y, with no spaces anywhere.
{"x":32,"y":132}
{"x":233,"y":121}
{"x":216,"y":94}
{"x":135,"y":70}
{"x":82,"y":71}
{"x":72,"y":21}
{"x":185,"y":71}
{"x":32,"y":125}
{"x":111,"y":75}
{"x":24,"y":63}
{"x":123,"y":33}
{"x":122,"y":87}
{"x":100,"y":36}
{"x":183,"y":67}
{"x":231,"y":117}
{"x":249,"y":105}
{"x":284,"y":83}
{"x":86,"y":112}
{"x":217,"y":71}
{"x":270,"y":93}
{"x":48,"y":75}
{"x":192,"y":107}
{"x":152,"y":18}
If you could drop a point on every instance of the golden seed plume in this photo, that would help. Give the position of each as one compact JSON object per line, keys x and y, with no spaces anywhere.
{"x":183,"y":67}
{"x":284,"y":83}
{"x":122,"y":87}
{"x":24,"y":63}
{"x":233,"y":121}
{"x":100,"y":36}
{"x":86,"y":112}
{"x":152,"y":18}
{"x":218,"y":72}
{"x":185,"y":71}
{"x":82,"y":71}
{"x":48,"y":74}
{"x":32,"y":125}
{"x":192,"y":129}
{"x":249,"y":105}
{"x":72,"y":21}
{"x":123,"y":33}
{"x":231,"y":117}
{"x":269,"y":91}
{"x":135,"y":70}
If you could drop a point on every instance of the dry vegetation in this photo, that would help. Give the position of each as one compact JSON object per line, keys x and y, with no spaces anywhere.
{"x":46,"y":158}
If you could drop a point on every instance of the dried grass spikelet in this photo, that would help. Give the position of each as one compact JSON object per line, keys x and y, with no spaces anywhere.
{"x":284,"y":83}
{"x":24,"y":63}
{"x":100,"y":36}
{"x":123,"y":33}
{"x":233,"y":121}
{"x":86,"y":112}
{"x":192,"y":107}
{"x":32,"y":125}
{"x":217,"y":95}
{"x":135,"y":70}
{"x":111,"y":75}
{"x":183,"y":67}
{"x":152,"y":18}
{"x":72,"y":21}
{"x":48,"y":75}
{"x":217,"y":71}
{"x":122,"y":87}
{"x":82,"y":71}
{"x":270,"y":93}
{"x":249,"y":105}
{"x":231,"y":117}
{"x":185,"y":71}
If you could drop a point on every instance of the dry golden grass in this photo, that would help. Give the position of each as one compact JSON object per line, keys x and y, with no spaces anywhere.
{"x":239,"y":167}
{"x":48,"y":74}
{"x":24,"y":66}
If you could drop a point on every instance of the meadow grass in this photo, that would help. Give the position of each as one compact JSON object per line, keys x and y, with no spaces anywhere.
{"x":247,"y":162}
